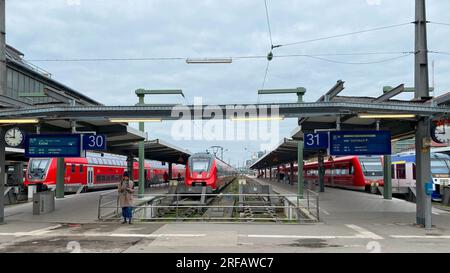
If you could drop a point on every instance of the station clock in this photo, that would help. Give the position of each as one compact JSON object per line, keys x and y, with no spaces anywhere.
{"x":438,"y":134}
{"x":14,"y":137}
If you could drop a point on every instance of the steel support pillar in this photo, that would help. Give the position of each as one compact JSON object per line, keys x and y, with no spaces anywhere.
{"x":278,"y":173}
{"x":387,"y":173}
{"x":170,"y":171}
{"x":423,"y":174}
{"x":270,"y":174}
{"x":321,"y":163}
{"x":291,"y":165}
{"x":60,"y":172}
{"x":141,"y":154}
{"x":130,"y":166}
{"x":300,"y":181}
{"x":423,"y":139}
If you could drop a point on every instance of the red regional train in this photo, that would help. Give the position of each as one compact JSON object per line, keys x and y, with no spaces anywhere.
{"x":205,"y":170}
{"x":92,"y":172}
{"x":350,"y":172}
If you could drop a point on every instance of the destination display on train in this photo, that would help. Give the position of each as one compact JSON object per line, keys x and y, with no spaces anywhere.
{"x":64,"y":145}
{"x":360,"y":143}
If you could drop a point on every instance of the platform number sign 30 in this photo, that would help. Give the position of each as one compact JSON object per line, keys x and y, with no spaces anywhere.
{"x":94,"y":142}
{"x":316,"y":141}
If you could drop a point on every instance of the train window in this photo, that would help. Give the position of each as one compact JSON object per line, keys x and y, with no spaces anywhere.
{"x":393,"y":171}
{"x":73,"y":168}
{"x":401,"y":171}
{"x":81,"y":168}
{"x":337,"y":170}
{"x":414,"y":171}
{"x":351,"y":170}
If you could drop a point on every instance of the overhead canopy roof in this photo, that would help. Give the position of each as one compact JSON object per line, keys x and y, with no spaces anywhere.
{"x":156,"y":150}
{"x":117,"y":133}
{"x":286,"y":151}
{"x":403,"y":128}
{"x":14,"y":154}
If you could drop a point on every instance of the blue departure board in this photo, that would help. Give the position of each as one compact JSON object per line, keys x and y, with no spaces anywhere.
{"x":57,"y":145}
{"x":360,"y":143}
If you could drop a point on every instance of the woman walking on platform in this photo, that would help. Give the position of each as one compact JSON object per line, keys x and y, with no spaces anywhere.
{"x":126,"y":190}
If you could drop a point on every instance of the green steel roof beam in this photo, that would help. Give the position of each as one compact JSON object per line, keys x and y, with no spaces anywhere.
{"x":300,"y":91}
{"x":159,"y":92}
{"x":387,"y":89}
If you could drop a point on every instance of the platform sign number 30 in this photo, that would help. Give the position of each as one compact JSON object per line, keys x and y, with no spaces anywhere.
{"x":94,"y":142}
{"x":316,"y":141}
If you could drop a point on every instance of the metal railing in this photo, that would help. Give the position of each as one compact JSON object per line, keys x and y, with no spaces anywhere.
{"x":286,"y":208}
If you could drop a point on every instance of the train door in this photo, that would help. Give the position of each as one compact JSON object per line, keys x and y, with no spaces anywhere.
{"x":394,"y":181}
{"x":401,"y":176}
{"x":90,"y":176}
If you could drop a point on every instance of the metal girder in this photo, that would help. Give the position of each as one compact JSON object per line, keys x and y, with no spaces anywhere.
{"x":442,"y":100}
{"x":288,"y":110}
{"x":13,"y":102}
{"x":333,"y":92}
{"x":299,"y":90}
{"x":59,"y":96}
{"x":141,"y":92}
{"x":390,"y":94}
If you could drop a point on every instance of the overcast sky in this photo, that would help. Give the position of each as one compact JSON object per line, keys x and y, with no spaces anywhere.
{"x":71,"y":29}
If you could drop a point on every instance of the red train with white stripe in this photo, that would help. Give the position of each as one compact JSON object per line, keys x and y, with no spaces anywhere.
{"x":350,"y":172}
{"x":205,"y":170}
{"x":93,"y":172}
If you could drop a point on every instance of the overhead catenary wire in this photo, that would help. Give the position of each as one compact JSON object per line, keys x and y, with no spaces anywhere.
{"x":265,"y":75}
{"x":439,"y":23}
{"x":268,"y":24}
{"x":439,"y":52}
{"x":344,"y":34}
{"x":357,"y":63}
{"x":316,"y":55}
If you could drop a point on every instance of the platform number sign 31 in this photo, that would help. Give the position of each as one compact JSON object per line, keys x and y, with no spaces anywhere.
{"x":94,"y":142}
{"x":316,"y":141}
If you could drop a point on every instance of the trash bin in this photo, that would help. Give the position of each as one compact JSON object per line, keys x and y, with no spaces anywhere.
{"x":43,"y":202}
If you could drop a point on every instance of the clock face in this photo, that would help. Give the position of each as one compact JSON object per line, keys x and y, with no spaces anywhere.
{"x":439,"y":135}
{"x":14,"y":137}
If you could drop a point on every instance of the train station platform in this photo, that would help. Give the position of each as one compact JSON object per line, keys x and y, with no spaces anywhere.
{"x":343,"y":206}
{"x":350,"y":222}
{"x":76,"y":208}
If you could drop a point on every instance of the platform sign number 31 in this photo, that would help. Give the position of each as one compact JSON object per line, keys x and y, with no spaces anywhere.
{"x":316,"y":141}
{"x":94,"y":142}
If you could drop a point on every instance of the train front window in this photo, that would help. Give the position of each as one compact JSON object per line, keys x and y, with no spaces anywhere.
{"x":200,"y":165}
{"x":38,"y":168}
{"x":440,"y":166}
{"x":372,"y":167}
